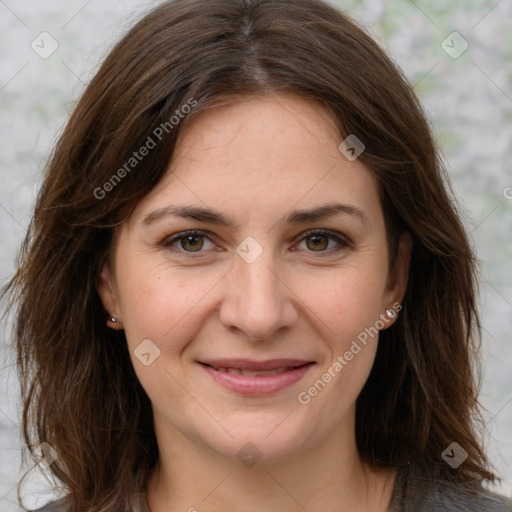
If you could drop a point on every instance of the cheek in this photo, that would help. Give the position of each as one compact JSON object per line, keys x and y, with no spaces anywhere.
{"x":161,"y":304}
{"x":346,"y":301}
{"x":158,"y":300}
{"x":348,"y":305}
{"x":349,"y":308}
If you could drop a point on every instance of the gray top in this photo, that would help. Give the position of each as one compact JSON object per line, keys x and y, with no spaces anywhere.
{"x":413,"y":493}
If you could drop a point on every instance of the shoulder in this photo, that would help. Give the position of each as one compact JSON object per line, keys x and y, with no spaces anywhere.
{"x":414,"y":493}
{"x":454,"y":497}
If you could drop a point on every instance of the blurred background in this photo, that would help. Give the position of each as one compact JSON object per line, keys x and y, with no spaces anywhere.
{"x":458,"y":57}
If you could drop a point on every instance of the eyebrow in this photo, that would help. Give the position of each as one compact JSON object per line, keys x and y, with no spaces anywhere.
{"x":210,"y":216}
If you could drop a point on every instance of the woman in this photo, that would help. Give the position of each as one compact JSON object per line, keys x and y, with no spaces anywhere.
{"x":181,"y":344}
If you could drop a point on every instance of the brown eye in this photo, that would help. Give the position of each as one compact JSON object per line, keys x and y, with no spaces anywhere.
{"x":317,"y":242}
{"x":187,"y":242}
{"x":192,"y":243}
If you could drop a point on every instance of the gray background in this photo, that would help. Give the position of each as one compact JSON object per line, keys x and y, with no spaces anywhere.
{"x":468,"y":100}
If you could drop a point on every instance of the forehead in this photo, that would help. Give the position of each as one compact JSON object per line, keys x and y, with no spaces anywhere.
{"x":265,"y":153}
{"x":281,"y":127}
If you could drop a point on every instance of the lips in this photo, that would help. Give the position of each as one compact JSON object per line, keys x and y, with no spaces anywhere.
{"x":249,"y":377}
{"x":251,"y":366}
{"x":239,"y":371}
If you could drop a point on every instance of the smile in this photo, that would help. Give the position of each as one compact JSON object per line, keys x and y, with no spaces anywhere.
{"x":239,"y":371}
{"x":257,"y":378}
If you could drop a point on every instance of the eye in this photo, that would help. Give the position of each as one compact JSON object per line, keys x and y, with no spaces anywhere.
{"x":318,"y":241}
{"x":191,"y":242}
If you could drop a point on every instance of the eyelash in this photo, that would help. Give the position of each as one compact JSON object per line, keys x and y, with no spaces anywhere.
{"x":343,"y":242}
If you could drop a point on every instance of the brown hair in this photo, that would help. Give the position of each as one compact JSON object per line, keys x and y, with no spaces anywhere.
{"x":79,"y":389}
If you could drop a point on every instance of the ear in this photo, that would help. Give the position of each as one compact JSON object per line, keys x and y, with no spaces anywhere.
{"x":108,"y":295}
{"x":397,"y":277}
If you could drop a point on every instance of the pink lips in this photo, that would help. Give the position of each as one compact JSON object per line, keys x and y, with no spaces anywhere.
{"x":279,"y":374}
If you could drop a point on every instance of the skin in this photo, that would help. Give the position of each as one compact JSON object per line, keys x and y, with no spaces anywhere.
{"x":257,"y":160}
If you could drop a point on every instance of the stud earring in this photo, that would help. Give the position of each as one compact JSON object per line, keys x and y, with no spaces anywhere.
{"x":114,"y":319}
{"x":390,"y":313}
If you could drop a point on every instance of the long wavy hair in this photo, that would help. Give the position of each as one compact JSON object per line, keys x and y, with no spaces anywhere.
{"x":79,"y":390}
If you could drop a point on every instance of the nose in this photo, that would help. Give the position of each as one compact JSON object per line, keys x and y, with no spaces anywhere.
{"x":258,"y":302}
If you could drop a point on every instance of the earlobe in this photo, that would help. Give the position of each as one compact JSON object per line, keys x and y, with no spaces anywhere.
{"x":106,"y":291}
{"x":398,"y":277}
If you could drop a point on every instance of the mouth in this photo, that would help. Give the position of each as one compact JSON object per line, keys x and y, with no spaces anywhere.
{"x":249,"y":377}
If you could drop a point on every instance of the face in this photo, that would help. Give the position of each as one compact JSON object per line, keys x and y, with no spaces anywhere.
{"x":220,"y":266}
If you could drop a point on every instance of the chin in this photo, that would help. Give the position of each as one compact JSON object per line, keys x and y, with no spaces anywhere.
{"x":267,"y":438}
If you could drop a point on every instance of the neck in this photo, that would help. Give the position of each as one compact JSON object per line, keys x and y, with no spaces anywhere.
{"x":330,"y":477}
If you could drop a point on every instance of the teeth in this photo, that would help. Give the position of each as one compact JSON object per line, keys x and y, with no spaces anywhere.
{"x":251,"y":373}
